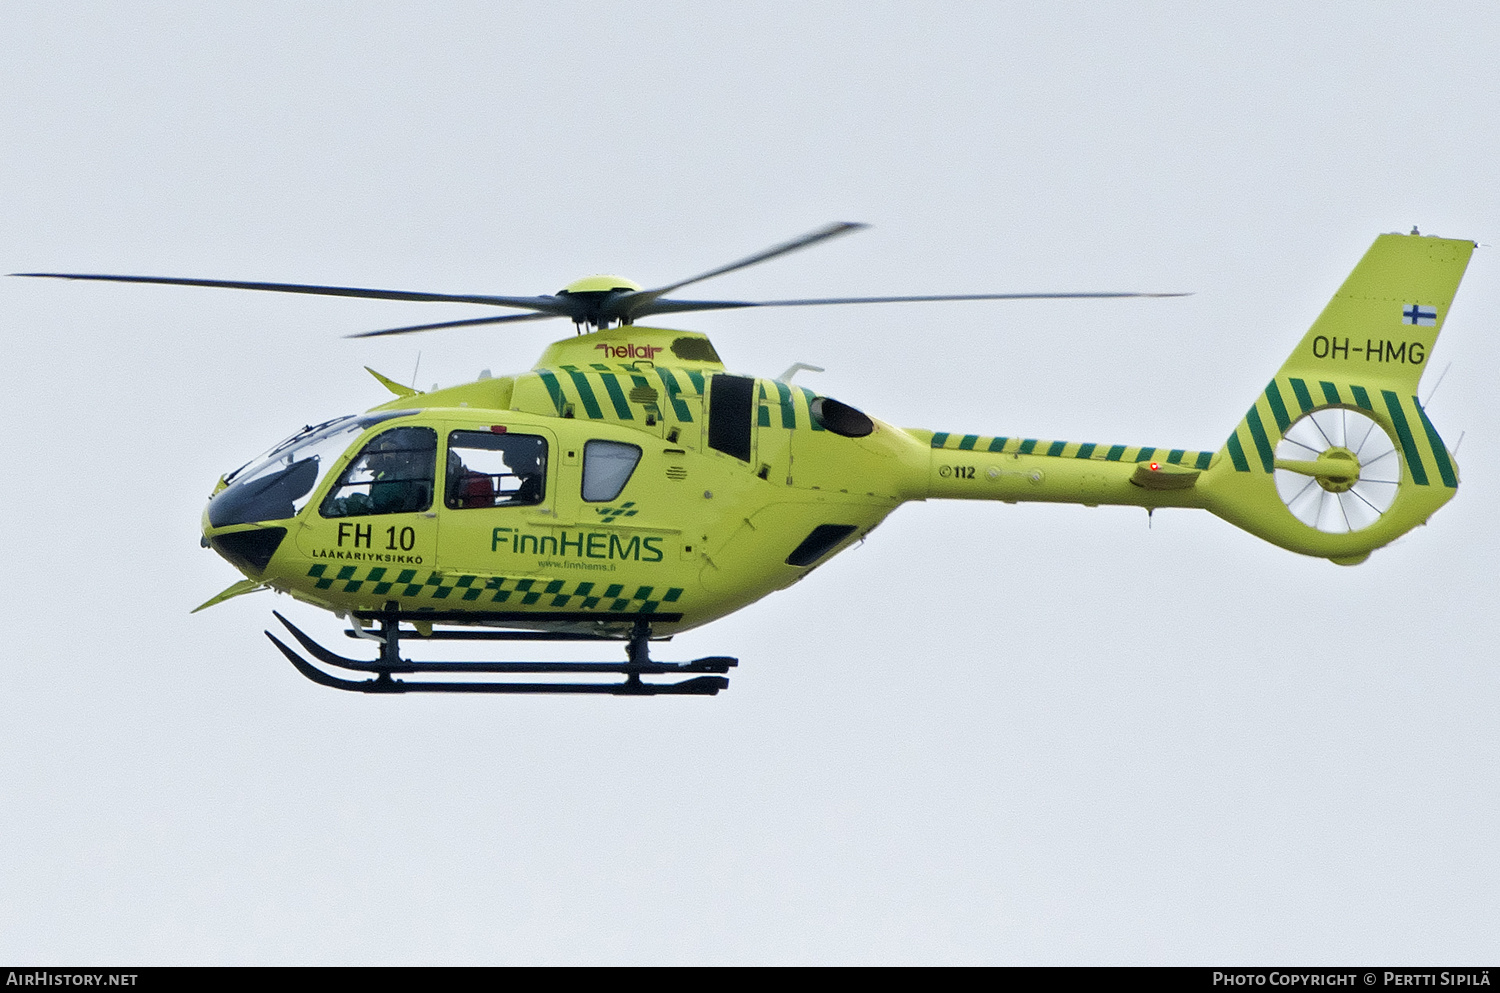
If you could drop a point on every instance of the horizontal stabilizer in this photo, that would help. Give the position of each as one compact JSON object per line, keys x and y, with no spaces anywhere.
{"x":1161,"y":476}
{"x":238,"y":589}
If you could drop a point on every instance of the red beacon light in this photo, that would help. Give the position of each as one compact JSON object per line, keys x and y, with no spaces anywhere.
{"x":1155,"y":466}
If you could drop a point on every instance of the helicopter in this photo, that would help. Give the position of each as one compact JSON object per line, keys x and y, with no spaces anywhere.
{"x":629,"y":487}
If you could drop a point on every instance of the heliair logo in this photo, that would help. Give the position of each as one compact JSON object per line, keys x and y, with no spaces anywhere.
{"x":612,"y":514}
{"x":629,"y":351}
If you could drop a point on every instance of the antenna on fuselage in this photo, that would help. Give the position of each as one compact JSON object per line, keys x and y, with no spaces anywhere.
{"x":797,"y":367}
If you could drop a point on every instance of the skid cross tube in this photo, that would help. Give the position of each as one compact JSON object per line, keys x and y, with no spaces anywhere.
{"x":707,"y":672}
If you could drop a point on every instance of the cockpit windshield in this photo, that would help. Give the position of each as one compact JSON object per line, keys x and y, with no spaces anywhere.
{"x":277,"y":485}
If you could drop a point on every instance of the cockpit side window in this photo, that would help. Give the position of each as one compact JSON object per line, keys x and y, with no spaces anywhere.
{"x":393,"y":474}
{"x":607,"y":467}
{"x":486,"y":469}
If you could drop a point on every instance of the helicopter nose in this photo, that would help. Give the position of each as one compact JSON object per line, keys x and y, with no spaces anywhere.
{"x":249,"y":550}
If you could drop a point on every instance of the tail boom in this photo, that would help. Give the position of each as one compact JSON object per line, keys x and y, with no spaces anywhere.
{"x":1015,"y":470}
{"x":1335,"y":458}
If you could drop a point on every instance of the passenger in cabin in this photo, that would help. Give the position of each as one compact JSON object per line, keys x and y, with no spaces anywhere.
{"x":524,"y":465}
{"x":488,"y":470}
{"x":467,"y":488}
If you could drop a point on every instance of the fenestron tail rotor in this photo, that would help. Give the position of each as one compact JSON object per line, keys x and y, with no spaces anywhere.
{"x":595,"y":302}
{"x":1337,"y":470}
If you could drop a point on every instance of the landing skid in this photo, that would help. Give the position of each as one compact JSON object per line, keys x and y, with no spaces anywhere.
{"x":390,"y":663}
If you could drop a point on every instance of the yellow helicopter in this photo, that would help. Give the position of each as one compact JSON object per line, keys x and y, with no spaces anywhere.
{"x":628,"y":487}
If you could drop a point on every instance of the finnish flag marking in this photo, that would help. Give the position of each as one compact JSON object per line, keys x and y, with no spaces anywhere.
{"x":1415,"y":313}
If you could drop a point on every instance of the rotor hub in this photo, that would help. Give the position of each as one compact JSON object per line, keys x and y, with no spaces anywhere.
{"x":601,"y":284}
{"x":1338,"y":470}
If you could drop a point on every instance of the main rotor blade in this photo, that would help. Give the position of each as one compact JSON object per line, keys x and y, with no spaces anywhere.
{"x":686,"y":306}
{"x":548,"y":304}
{"x":474,"y":322}
{"x":632,"y":305}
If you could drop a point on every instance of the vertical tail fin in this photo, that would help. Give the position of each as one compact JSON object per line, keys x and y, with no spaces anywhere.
{"x":1336,"y":456}
{"x":1382,"y":324}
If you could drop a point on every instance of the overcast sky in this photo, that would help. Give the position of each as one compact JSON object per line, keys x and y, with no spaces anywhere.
{"x":991,"y":734}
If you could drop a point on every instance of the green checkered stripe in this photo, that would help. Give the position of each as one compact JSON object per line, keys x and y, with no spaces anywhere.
{"x":1070,"y":449}
{"x":550,"y":593}
{"x":611,"y":514}
{"x":1285,"y":399}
